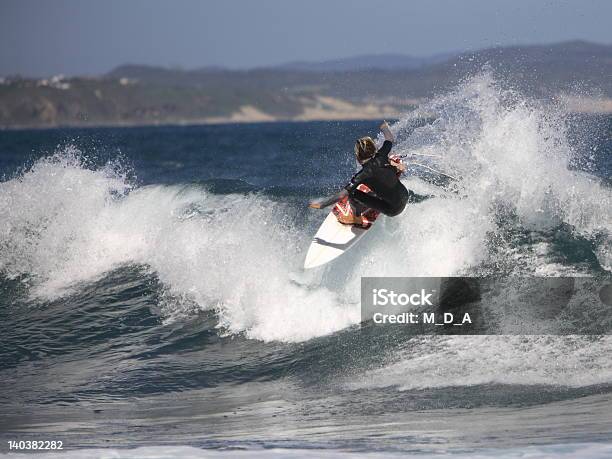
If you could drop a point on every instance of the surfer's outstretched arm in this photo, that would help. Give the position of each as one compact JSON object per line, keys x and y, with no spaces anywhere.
{"x":385,"y":149}
{"x":324,"y":202}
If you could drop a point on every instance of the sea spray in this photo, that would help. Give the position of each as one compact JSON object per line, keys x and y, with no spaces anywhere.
{"x":74,"y":224}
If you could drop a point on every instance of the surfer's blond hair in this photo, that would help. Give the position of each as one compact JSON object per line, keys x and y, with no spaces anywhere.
{"x":365,"y":148}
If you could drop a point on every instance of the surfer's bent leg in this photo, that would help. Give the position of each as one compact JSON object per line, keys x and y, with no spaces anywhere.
{"x":361,"y":199}
{"x":374,"y":202}
{"x":357,"y":207}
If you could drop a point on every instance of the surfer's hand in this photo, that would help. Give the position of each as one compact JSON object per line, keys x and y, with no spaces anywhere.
{"x":314,"y":205}
{"x":384,"y":127}
{"x":399,"y":165}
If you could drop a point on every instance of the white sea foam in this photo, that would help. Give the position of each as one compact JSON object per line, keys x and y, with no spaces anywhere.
{"x":63,"y":223}
{"x":437,"y":361}
{"x":565,"y":451}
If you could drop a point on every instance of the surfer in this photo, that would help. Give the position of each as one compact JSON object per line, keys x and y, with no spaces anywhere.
{"x":380,"y":173}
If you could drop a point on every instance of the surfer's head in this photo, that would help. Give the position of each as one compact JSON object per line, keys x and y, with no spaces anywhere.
{"x":364,"y":149}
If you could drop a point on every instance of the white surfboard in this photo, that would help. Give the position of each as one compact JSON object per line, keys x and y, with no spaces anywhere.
{"x":332,"y":240}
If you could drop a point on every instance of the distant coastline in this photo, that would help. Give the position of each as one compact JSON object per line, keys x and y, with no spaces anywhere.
{"x":574,"y":74}
{"x":331,"y":109}
{"x":595,"y":107}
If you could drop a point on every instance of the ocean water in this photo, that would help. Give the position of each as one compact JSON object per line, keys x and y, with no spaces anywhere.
{"x":152,"y":301}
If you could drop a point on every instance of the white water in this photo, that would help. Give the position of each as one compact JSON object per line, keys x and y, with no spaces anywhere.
{"x":65,"y":227}
{"x":455,"y":361}
{"x":568,"y":451}
{"x":64,"y":224}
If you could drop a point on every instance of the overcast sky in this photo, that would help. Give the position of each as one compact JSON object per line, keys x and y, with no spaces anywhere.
{"x":44,"y":37}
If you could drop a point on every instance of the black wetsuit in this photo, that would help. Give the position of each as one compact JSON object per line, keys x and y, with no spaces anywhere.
{"x":390,"y":196}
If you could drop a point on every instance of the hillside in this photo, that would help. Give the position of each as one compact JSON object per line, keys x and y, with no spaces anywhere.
{"x":368,"y":62}
{"x":134,"y":94}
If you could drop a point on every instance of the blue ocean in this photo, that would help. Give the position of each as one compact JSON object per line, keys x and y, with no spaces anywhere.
{"x":153,"y":302}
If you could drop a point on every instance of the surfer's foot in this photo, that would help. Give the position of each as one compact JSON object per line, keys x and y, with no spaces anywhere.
{"x":350,"y":219}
